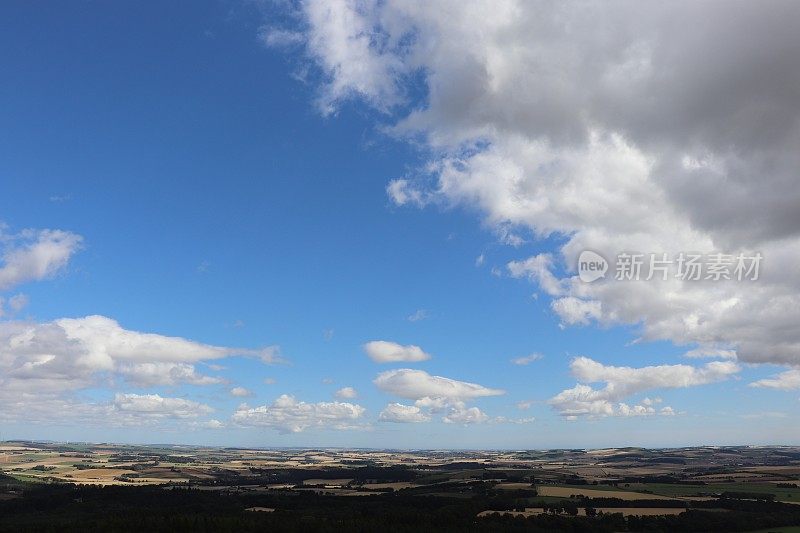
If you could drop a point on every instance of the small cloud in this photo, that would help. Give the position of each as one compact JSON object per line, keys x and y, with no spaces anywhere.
{"x":15,"y":304}
{"x":403,"y":192}
{"x":710,"y":352}
{"x":203,"y":267}
{"x":238,"y":324}
{"x":215,"y":367}
{"x":524,"y":405}
{"x":510,"y":238}
{"x":327,"y":381}
{"x":327,"y":334}
{"x":241,"y":392}
{"x":528,"y":359}
{"x":60,"y":198}
{"x":419,"y":314}
{"x":788,"y":380}
{"x":404,"y":414}
{"x":391,"y":352}
{"x":648,"y":401}
{"x":280,"y":38}
{"x":213,"y":424}
{"x":289,"y":415}
{"x":480,"y":260}
{"x":346,"y":393}
{"x":506,"y":420}
{"x":270,"y":355}
{"x":270,"y":381}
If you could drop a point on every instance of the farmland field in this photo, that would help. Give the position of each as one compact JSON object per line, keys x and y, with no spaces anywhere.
{"x":630,"y":489}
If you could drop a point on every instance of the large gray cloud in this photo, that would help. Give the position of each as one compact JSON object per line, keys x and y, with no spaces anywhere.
{"x":624,"y":126}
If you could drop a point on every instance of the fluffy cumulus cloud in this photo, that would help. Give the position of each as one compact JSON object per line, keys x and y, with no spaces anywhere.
{"x":73,"y":353}
{"x":391,"y":352}
{"x":788,"y":380}
{"x":45,"y":366}
{"x":397,"y":412}
{"x":34,"y":254}
{"x":241,"y":392}
{"x":459,"y":413}
{"x":123,"y":409}
{"x":624,"y":127}
{"x":623,"y":382}
{"x":158,"y":407}
{"x":289,"y":415}
{"x":347,"y":393}
{"x":415,"y":384}
{"x":434,"y":394}
{"x":164,"y":373}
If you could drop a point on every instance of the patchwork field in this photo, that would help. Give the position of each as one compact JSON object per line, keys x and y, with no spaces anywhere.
{"x":566,"y":492}
{"x":621,"y":489}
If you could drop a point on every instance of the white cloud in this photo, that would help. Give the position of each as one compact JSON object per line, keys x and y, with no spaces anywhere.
{"x":461,"y":414}
{"x":34,"y":255}
{"x":288,"y":415}
{"x":524,"y":405}
{"x":71,"y":353}
{"x":269,"y":355}
{"x":622,"y":382}
{"x":241,"y":392}
{"x":123,"y":410}
{"x":602,"y":124}
{"x":649,"y":402}
{"x":504,"y":420}
{"x":163,"y":373}
{"x":358,"y":63}
{"x":157,"y":407}
{"x":419,"y":314}
{"x":710,"y":352}
{"x":212,"y":424}
{"x":276,"y":37}
{"x":637,"y":410}
{"x":270,"y":381}
{"x":403,"y":193}
{"x":788,"y":380}
{"x":391,"y":352}
{"x":18,"y":302}
{"x":416,"y":384}
{"x":346,"y":393}
{"x":436,"y":394}
{"x":526,"y":360}
{"x":538,"y":268}
{"x":397,"y":412}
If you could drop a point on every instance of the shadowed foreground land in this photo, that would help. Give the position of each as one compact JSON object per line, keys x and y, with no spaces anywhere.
{"x":167,"y":488}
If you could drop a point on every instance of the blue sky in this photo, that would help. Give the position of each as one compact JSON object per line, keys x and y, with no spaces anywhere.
{"x":226,"y":172}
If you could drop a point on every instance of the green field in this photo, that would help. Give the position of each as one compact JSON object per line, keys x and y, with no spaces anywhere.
{"x":595,"y":487}
{"x":670,"y":489}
